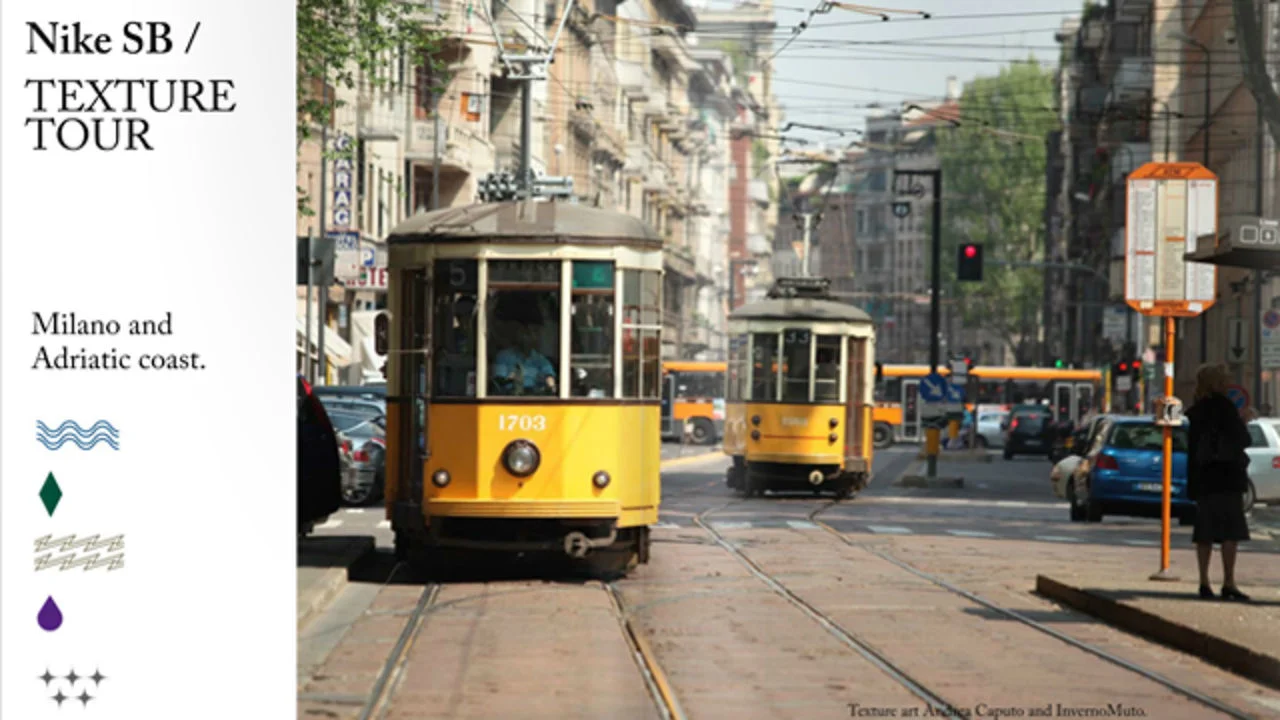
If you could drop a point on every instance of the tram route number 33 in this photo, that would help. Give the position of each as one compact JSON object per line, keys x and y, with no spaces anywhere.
{"x":522,"y":422}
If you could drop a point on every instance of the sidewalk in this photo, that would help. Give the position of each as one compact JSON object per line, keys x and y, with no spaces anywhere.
{"x":1243,"y":638}
{"x":323,"y":565}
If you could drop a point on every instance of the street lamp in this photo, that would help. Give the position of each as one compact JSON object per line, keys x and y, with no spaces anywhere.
{"x":1168,"y":114}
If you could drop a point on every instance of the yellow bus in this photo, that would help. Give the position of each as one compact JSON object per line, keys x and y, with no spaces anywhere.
{"x":897,"y":415}
{"x":693,"y":394}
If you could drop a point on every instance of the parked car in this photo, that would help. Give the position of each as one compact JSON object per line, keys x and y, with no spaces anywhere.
{"x":1122,"y":472}
{"x":1029,"y":430}
{"x":1081,"y":441}
{"x":375,"y":392}
{"x":320,"y":464}
{"x":363,"y":426}
{"x":1264,"y":462}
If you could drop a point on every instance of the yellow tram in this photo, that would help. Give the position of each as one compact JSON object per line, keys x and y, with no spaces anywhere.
{"x":524,"y":382}
{"x":799,"y":392}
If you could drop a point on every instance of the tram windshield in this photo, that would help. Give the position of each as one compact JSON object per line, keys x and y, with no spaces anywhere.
{"x":524,"y":327}
{"x":808,"y":366}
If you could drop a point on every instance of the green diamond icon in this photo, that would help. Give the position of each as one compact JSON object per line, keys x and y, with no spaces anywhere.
{"x":50,"y":494}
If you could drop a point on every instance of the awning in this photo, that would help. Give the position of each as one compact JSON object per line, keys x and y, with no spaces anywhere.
{"x":337,"y":350}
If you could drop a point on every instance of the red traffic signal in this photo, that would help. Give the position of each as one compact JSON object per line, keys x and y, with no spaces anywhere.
{"x":1124,"y":367}
{"x":970,"y":251}
{"x":1137,"y":364}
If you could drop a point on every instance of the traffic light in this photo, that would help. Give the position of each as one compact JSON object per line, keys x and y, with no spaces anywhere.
{"x":1136,"y":368}
{"x":1057,"y":363}
{"x":969,"y":263}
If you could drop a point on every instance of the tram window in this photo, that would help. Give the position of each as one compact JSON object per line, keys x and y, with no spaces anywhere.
{"x":764,"y":370}
{"x":737,"y":368}
{"x":455,"y":328}
{"x":795,"y":366}
{"x":990,"y":391}
{"x":699,"y":385}
{"x":641,"y":333}
{"x":591,"y":356}
{"x":826,"y":380}
{"x":523,"y":327}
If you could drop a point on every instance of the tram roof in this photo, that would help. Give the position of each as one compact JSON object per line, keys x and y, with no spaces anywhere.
{"x":801,"y":309}
{"x":525,"y":222}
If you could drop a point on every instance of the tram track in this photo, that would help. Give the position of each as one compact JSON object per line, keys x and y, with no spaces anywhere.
{"x":1011,"y":614}
{"x":380,"y":697}
{"x":655,"y":679}
{"x":850,"y":640}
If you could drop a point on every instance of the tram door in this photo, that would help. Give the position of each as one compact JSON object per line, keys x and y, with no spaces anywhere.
{"x":910,"y":409}
{"x":857,"y":413}
{"x":411,"y":399}
{"x":1072,"y":401}
{"x":1084,"y":400}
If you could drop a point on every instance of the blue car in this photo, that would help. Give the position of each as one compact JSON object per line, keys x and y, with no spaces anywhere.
{"x":1122,"y":472}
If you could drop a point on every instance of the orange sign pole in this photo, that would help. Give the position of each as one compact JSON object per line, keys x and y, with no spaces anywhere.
{"x":1166,"y":500}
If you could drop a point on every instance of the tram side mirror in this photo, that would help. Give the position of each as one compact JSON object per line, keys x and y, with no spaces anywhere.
{"x":381,"y":334}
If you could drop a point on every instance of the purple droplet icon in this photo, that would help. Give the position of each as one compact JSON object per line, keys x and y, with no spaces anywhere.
{"x":50,"y":617}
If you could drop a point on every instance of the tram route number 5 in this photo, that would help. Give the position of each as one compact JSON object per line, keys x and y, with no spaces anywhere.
{"x":522,"y":422}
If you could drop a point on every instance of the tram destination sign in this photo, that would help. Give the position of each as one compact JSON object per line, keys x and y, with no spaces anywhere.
{"x":1171,"y":208}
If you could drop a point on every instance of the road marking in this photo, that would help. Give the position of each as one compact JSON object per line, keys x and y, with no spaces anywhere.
{"x":801,"y":525}
{"x":384,"y":525}
{"x":356,"y":511}
{"x":960,"y":502}
{"x":731,"y":525}
{"x":329,"y":524}
{"x":666,"y":525}
{"x":1142,"y":543}
{"x":972,"y":533}
{"x":1057,"y":538}
{"x":888,"y":530}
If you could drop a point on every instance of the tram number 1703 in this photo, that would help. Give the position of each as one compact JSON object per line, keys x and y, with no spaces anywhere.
{"x":522,"y":422}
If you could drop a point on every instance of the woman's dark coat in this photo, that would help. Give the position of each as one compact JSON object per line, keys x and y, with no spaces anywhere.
{"x":1217,"y":412}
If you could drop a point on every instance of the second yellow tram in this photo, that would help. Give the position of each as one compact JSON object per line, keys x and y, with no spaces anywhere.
{"x":524,"y":382}
{"x":798,"y":398}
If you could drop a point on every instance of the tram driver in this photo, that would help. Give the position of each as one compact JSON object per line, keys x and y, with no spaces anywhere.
{"x":519,"y":367}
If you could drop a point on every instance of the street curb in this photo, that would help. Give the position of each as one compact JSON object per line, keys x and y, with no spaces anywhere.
{"x":332,"y":583}
{"x":334,"y":579}
{"x":1242,"y":661}
{"x":690,"y":460}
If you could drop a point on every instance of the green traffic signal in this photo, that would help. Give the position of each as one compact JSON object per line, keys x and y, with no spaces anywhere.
{"x":1058,"y":363}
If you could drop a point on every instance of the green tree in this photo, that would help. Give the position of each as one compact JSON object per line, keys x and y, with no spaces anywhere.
{"x":345,"y":42}
{"x":993,"y":175}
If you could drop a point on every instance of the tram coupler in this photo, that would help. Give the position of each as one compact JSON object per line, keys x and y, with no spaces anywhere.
{"x":577,"y":544}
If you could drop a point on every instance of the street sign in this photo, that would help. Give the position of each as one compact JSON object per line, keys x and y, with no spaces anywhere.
{"x":959,"y":370}
{"x":371,"y":279}
{"x":1269,"y":340}
{"x":901,"y":209}
{"x":1238,"y":396}
{"x":1171,"y":207}
{"x":1124,"y":383}
{"x":933,"y":388}
{"x":1237,"y":340}
{"x":346,"y":247}
{"x":955,"y":394}
{"x":368,"y":257}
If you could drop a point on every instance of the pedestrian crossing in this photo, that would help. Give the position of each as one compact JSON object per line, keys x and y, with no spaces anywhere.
{"x":1105,"y":537}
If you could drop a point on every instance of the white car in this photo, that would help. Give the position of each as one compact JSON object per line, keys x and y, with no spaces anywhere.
{"x":1264,"y":461}
{"x":1061,"y":474}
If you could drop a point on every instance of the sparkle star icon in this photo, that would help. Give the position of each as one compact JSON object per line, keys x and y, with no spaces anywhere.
{"x":72,"y":677}
{"x":97,"y":677}
{"x":84,"y":697}
{"x":47,"y":677}
{"x":59,"y":698}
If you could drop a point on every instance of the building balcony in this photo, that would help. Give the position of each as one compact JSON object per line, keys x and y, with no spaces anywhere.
{"x":583,"y":123}
{"x":1131,"y":82}
{"x":1090,"y":100}
{"x":380,"y":115}
{"x":657,"y":105}
{"x":462,"y":149}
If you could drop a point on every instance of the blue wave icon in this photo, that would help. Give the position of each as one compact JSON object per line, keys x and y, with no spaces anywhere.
{"x":84,"y":438}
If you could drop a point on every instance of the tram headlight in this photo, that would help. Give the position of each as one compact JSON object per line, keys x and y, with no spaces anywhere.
{"x":521,"y":458}
{"x":600,"y":479}
{"x":440,"y":478}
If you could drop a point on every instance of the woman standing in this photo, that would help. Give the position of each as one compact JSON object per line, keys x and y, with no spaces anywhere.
{"x":1217,"y":477}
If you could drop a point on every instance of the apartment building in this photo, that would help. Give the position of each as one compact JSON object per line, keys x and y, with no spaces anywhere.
{"x":633,"y":110}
